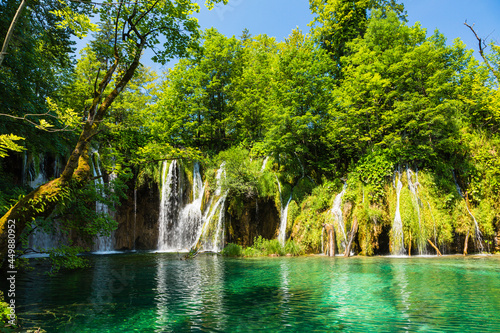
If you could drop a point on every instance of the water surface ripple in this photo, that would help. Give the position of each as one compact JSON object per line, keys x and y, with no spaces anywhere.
{"x":147,"y":292}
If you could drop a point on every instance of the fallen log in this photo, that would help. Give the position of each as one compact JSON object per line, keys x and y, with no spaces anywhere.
{"x":435,"y":247}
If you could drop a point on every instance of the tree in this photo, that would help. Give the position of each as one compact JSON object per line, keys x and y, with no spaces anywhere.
{"x":299,"y":104}
{"x":398,"y":95}
{"x":195,"y":102}
{"x":338,"y":22}
{"x":136,"y":26}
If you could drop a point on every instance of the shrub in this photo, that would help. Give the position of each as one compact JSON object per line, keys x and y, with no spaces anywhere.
{"x":232,"y":250}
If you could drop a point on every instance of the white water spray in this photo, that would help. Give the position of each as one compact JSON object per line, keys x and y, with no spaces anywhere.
{"x":398,"y":247}
{"x":337,"y":213}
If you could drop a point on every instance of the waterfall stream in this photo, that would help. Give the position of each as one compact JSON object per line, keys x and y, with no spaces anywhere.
{"x":211,"y":236}
{"x":421,"y":244}
{"x":183,"y":227}
{"x":283,"y":222}
{"x":398,"y":247}
{"x":337,"y":213}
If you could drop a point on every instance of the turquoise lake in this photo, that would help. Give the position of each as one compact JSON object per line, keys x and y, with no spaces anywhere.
{"x":148,"y":292}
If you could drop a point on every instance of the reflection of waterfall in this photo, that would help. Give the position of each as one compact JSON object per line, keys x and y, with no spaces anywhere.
{"x":397,"y":226}
{"x":478,"y":234}
{"x":421,"y":245}
{"x":211,"y":236}
{"x":102,"y":243}
{"x":337,"y":213}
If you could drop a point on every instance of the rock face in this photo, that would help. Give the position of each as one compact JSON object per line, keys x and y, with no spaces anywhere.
{"x":138,"y":218}
{"x":257,"y":218}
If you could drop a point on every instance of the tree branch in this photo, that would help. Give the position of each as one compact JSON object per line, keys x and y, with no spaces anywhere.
{"x":482,"y":46}
{"x":10,"y":32}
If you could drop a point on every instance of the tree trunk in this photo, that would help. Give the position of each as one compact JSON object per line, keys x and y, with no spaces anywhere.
{"x":10,"y":32}
{"x":42,"y":201}
{"x":354,"y":230}
{"x":409,"y":247}
{"x":331,"y":239}
{"x":466,"y":243}
{"x":435,"y":247}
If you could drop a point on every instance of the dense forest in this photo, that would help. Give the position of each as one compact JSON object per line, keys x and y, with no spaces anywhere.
{"x":366,"y":133}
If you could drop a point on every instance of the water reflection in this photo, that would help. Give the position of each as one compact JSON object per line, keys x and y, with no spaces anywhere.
{"x":160,"y":293}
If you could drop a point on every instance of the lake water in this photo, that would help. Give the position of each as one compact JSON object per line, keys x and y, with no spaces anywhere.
{"x":159,"y":293}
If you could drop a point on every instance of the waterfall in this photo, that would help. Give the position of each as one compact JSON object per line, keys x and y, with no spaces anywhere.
{"x":182,"y":228}
{"x":264,"y":164}
{"x":211,"y":236}
{"x":34,"y":175}
{"x":190,"y":217}
{"x":102,"y":243}
{"x":169,"y":207}
{"x":478,"y":234}
{"x":337,"y":213}
{"x":283,"y":222}
{"x":398,"y":247}
{"x":421,"y":244}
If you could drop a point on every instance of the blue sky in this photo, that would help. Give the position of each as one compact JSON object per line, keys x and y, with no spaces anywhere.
{"x":278,"y":18}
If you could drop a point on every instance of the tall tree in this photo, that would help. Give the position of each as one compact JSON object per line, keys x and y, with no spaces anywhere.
{"x":136,"y":26}
{"x":337,"y":22}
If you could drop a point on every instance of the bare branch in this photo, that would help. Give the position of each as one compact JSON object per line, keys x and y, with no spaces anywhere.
{"x":50,"y":130}
{"x":482,"y":46}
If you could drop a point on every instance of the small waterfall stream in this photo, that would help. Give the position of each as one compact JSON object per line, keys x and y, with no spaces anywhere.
{"x":211,"y":236}
{"x":398,"y":247}
{"x":283,"y":222}
{"x":421,"y":244}
{"x":337,"y":213}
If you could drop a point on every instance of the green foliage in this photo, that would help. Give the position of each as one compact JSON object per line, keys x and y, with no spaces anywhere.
{"x":66,"y":257}
{"x":232,"y":250}
{"x":7,"y":142}
{"x":241,"y":174}
{"x":5,"y":312}
{"x":314,"y":211}
{"x":373,"y":170}
{"x":293,"y":248}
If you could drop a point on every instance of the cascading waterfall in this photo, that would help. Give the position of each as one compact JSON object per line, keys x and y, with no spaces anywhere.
{"x":398,"y":247}
{"x":283,"y":222}
{"x":211,"y":236}
{"x":190,"y":217}
{"x":337,"y":213}
{"x":421,"y":245}
{"x":477,"y":232}
{"x":169,"y":208}
{"x":284,"y":215}
{"x":102,"y":243}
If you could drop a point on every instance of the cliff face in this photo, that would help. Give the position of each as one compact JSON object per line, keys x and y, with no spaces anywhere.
{"x":138,"y":219}
{"x":257,"y":218}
